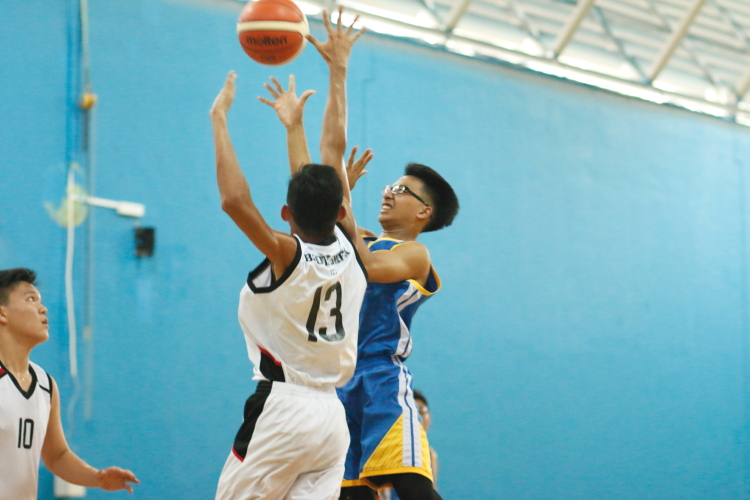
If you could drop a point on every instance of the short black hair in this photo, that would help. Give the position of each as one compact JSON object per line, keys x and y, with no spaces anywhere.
{"x":444,"y":200}
{"x":9,"y":278}
{"x":418,"y":396}
{"x":314,"y":197}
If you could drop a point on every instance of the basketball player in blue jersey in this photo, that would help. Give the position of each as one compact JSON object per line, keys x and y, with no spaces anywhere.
{"x":388,"y":444}
{"x":30,"y":425}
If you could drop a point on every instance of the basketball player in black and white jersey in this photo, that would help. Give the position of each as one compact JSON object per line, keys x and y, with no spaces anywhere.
{"x":30,"y":425}
{"x":299,"y":312}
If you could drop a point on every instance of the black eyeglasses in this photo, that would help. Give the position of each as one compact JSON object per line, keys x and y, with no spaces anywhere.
{"x":396,"y":189}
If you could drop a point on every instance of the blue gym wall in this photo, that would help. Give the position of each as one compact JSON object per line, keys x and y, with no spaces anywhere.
{"x":591,"y":338}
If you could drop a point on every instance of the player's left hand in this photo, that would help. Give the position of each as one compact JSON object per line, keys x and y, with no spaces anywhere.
{"x":337,"y":48}
{"x":289,"y":108}
{"x":223,"y":101}
{"x":115,"y":478}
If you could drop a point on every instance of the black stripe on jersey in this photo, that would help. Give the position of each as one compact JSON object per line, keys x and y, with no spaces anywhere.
{"x":253,"y":409}
{"x":270,"y":368}
{"x":49,"y":382}
{"x":30,"y":391}
{"x":356,"y":253}
{"x":276,"y":282}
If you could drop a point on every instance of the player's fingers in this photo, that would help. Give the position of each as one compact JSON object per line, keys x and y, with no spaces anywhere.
{"x":305,"y":95}
{"x":129,"y":488}
{"x":271,"y":91}
{"x":326,"y":20}
{"x":129,"y":476}
{"x":291,"y":83}
{"x":266,"y":101}
{"x":313,"y":41}
{"x":278,"y":86}
{"x":352,"y":154}
{"x":351,"y":26}
{"x":338,"y":21}
{"x":359,"y":34}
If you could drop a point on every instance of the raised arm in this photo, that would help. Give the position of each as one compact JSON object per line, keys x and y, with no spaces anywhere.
{"x":62,"y":462}
{"x":290,"y":109}
{"x":335,"y":51}
{"x":236,"y":201}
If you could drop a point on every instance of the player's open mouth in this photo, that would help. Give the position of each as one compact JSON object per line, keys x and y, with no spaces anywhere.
{"x":385,"y":206}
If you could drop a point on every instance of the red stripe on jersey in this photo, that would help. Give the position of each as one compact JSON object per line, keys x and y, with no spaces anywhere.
{"x":237,"y":455}
{"x":2,"y":372}
{"x":277,"y":363}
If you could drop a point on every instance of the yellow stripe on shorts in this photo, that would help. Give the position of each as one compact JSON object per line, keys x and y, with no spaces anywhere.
{"x":388,"y":457}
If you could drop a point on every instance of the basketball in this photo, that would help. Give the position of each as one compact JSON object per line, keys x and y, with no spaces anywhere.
{"x":272,"y":31}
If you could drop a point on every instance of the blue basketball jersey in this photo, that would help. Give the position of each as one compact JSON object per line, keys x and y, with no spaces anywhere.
{"x":388,"y":308}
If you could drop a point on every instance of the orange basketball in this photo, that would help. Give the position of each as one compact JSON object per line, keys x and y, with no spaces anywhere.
{"x":272,"y":31}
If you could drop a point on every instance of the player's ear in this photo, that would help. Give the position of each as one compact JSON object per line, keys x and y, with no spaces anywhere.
{"x":425,"y":213}
{"x":286,"y":213}
{"x":342,"y":214}
{"x":3,"y":317}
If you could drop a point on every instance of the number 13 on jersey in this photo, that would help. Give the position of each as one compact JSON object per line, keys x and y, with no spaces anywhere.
{"x":335,"y":313}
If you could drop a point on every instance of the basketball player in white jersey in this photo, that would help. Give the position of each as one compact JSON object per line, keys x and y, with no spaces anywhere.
{"x":30,"y":425}
{"x":299,"y":312}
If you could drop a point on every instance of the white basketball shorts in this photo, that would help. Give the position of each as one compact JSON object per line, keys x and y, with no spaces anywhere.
{"x":292,"y":446}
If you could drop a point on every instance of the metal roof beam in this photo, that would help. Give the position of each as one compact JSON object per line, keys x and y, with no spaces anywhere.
{"x":618,"y":43}
{"x":744,"y":85}
{"x":674,"y":40}
{"x":455,"y":15}
{"x":574,"y":21}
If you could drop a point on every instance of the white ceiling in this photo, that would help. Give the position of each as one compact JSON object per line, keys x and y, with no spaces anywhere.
{"x":690,"y":53}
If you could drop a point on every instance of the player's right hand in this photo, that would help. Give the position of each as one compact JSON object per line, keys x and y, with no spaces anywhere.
{"x":115,"y":478}
{"x":335,"y":51}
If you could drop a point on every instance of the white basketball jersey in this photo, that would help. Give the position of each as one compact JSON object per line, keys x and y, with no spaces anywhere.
{"x":23,"y":426}
{"x":302,"y":327}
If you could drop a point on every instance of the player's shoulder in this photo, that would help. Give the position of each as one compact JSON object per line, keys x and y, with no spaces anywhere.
{"x":43,"y":378}
{"x":412,"y":250}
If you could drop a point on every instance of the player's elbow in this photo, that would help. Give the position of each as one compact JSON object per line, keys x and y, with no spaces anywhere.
{"x":52,"y":458}
{"x":231,"y":203}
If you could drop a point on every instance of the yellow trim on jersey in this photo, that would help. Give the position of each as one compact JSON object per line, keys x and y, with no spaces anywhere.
{"x":346,"y":483}
{"x":388,"y":456}
{"x":400,"y":242}
{"x":422,"y":289}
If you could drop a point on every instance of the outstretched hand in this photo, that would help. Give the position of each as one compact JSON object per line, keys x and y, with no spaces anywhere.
{"x":223,"y":101}
{"x":289,"y":108}
{"x":355,"y":169}
{"x":337,"y":48}
{"x":115,"y":478}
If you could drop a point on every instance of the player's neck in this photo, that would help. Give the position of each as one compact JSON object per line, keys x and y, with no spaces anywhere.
{"x":400,"y":233}
{"x":14,"y":355}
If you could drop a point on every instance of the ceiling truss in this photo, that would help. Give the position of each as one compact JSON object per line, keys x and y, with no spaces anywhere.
{"x":692,"y":53}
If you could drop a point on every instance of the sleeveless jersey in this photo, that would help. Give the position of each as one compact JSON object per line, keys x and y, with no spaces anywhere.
{"x":388,"y":309}
{"x":302,"y":327}
{"x":23,"y":425}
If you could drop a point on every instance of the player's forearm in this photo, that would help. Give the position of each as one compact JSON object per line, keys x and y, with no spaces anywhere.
{"x":71,"y":468}
{"x":296,"y":143}
{"x":233,"y":186}
{"x":333,"y":138}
